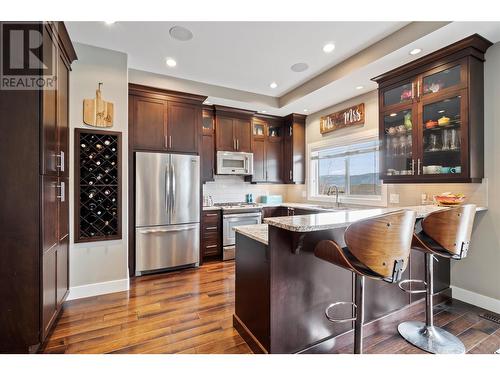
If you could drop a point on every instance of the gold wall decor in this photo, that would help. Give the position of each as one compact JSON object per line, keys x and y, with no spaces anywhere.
{"x":354,"y":115}
{"x":97,"y":112}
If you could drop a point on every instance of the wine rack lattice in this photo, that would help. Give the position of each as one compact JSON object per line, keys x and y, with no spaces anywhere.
{"x":98,"y":185}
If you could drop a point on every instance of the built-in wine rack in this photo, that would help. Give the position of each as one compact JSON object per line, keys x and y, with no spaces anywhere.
{"x":97,"y":190}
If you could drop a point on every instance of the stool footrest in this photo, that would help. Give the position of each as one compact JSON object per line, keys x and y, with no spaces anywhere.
{"x":341,"y":320}
{"x":405,"y":286}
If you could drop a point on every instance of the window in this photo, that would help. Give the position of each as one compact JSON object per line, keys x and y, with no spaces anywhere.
{"x":352,"y":168}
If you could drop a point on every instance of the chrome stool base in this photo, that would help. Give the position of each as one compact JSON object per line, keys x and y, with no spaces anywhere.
{"x":432,"y":339}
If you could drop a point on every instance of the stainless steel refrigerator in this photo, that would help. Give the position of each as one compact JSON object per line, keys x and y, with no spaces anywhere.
{"x":167,"y":211}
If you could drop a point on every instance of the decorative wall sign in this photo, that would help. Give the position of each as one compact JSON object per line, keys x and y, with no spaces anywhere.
{"x":97,"y":112}
{"x":354,"y":115}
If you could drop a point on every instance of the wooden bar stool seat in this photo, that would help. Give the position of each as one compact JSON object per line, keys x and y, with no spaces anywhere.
{"x":444,"y":234}
{"x":377,"y":248}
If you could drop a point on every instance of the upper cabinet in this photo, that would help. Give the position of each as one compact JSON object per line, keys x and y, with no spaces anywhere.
{"x":431,"y":116}
{"x":162,"y":120}
{"x":294,"y":145}
{"x":267,"y":148}
{"x":233,"y":129}
{"x":208,"y":146}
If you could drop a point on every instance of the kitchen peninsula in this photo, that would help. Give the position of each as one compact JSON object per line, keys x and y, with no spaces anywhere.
{"x":282,"y":289}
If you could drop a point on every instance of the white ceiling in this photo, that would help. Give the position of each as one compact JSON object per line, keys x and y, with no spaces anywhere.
{"x":248,"y":56}
{"x":240,"y":55}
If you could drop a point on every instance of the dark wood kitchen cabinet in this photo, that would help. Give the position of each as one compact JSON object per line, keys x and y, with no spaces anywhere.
{"x":294,"y":149}
{"x":208,"y":146}
{"x":233,"y":129}
{"x":211,"y":234}
{"x":267,"y":148}
{"x":431,"y":120}
{"x":164,"y":120}
{"x":35,"y":169}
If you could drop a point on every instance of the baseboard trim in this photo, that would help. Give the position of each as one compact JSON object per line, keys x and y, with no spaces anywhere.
{"x":97,"y":289}
{"x":476,"y":299}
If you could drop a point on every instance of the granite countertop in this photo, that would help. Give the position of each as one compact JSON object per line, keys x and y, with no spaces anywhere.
{"x":341,"y":219}
{"x":258,"y":232}
{"x":211,"y":208}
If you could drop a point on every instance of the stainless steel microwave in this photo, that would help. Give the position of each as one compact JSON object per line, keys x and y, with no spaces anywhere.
{"x":238,"y":163}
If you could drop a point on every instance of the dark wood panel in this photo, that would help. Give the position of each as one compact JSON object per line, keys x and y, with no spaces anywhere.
{"x":50,"y":208}
{"x":20,"y":218}
{"x":49,"y":116}
{"x":294,"y":149}
{"x":274,"y":157}
{"x":149,"y":123}
{"x":243,"y":134}
{"x":49,"y":286}
{"x":183,"y":127}
{"x":252,"y":288}
{"x":63,"y":115}
{"x":224,"y":134}
{"x":62,"y":270}
{"x":259,"y":160}
{"x":211,"y":234}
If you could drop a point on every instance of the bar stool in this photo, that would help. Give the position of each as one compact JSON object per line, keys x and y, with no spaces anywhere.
{"x":444,"y":234}
{"x":378,"y":248}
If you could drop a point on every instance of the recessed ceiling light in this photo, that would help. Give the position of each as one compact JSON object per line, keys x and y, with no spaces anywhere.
{"x":263,"y":111}
{"x":109,"y":22}
{"x":273,"y":85}
{"x":180,"y":33}
{"x":329,"y":47}
{"x":306,"y":110}
{"x":359,"y":87}
{"x":415,"y":51}
{"x":393,"y":114}
{"x":441,"y":111}
{"x":171,"y":62}
{"x":299,"y":67}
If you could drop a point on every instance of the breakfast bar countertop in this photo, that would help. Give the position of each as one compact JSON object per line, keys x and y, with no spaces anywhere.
{"x":258,"y":232}
{"x":341,"y":219}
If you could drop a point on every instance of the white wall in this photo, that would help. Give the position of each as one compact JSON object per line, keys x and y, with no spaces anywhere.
{"x":480,"y":271}
{"x":99,"y":267}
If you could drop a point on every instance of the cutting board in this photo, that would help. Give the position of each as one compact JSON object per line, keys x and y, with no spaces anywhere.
{"x":97,"y":112}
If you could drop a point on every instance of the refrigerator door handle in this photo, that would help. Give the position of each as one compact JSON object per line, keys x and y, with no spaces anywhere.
{"x":172,"y":176}
{"x":168,"y":230}
{"x":167,"y":188}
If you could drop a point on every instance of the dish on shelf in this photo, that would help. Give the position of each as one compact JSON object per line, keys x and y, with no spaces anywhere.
{"x":443,"y":121}
{"x":431,"y":124}
{"x":449,"y":199}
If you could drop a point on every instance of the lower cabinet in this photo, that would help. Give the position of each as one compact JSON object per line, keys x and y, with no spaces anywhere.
{"x":49,"y":287}
{"x":211,"y":234}
{"x":62,"y":270}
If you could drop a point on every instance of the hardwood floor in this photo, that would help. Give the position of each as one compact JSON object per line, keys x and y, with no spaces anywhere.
{"x":190,"y":311}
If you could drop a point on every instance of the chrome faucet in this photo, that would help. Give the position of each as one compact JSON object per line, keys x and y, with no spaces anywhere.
{"x":336,"y":189}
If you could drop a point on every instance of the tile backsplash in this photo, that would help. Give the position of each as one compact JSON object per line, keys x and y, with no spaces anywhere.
{"x":410,"y":194}
{"x":234,"y":189}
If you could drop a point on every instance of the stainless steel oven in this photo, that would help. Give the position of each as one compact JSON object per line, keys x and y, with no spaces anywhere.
{"x":231,"y":220}
{"x":238,"y":163}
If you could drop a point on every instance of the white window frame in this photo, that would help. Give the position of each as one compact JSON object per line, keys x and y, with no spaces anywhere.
{"x":365,"y":136}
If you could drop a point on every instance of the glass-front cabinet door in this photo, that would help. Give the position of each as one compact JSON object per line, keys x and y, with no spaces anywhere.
{"x":441,"y":80}
{"x":399,"y":143}
{"x":442,"y":126}
{"x":398,"y":94}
